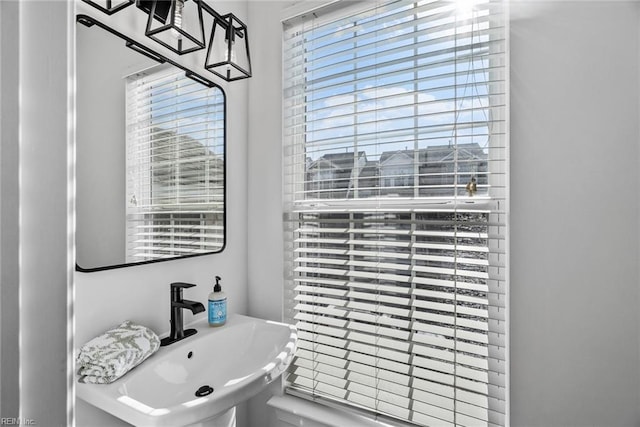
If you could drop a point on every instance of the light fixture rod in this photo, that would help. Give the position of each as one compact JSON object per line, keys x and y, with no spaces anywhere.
{"x":139,"y":47}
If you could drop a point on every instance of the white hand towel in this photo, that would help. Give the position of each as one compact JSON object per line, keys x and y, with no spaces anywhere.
{"x":109,"y":356}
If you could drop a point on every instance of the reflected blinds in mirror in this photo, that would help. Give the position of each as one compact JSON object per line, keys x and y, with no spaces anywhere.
{"x":175,"y":166}
{"x":395,"y":156}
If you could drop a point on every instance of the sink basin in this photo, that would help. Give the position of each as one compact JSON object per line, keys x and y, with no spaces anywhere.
{"x":200,"y":377}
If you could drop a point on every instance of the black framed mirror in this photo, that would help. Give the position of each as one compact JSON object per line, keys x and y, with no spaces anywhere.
{"x":150,"y":155}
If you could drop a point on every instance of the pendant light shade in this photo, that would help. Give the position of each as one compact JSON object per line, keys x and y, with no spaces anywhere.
{"x":176,"y":24}
{"x":228,"y":53}
{"x":109,"y":6}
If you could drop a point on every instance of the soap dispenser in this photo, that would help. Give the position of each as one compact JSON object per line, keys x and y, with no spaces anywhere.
{"x":217,"y":305}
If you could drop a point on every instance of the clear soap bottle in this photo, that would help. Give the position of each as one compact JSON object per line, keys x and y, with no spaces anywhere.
{"x":217,"y":305}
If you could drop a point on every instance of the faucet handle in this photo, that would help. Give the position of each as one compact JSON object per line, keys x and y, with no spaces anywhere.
{"x":176,"y":290}
{"x":181,"y":285}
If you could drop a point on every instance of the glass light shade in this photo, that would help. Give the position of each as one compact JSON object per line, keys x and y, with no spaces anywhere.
{"x":228,"y":53}
{"x":109,"y":6}
{"x":177,"y":25}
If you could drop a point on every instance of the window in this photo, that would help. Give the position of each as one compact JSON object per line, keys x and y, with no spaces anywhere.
{"x":396,"y":264}
{"x":175,"y":166}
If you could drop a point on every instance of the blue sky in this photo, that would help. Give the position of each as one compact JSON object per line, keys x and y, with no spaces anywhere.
{"x":370,"y":98}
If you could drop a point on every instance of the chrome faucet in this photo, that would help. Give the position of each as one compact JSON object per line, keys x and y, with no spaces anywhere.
{"x":177,"y":305}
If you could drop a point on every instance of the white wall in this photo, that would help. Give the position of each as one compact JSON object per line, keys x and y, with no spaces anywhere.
{"x":141,"y":293}
{"x":265,"y":269}
{"x":574,"y":278}
{"x":574,"y":223}
{"x":265,"y":254}
{"x":574,"y":216}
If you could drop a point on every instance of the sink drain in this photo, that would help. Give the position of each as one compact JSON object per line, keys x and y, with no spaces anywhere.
{"x":205,"y":390}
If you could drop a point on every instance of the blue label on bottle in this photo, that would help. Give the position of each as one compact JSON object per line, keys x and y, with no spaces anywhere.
{"x":217,"y":311}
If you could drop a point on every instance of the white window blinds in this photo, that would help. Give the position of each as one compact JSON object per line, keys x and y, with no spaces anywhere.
{"x":175,"y":166}
{"x":395,"y":156}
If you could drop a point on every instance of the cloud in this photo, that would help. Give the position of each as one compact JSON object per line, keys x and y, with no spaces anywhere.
{"x":389,"y":108}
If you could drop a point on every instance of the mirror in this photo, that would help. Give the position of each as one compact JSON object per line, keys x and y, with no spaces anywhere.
{"x":150,"y":157}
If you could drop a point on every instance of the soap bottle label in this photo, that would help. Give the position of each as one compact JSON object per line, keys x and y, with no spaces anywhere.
{"x":217,"y":311}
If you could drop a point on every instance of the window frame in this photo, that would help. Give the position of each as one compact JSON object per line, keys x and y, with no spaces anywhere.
{"x":480,"y":203}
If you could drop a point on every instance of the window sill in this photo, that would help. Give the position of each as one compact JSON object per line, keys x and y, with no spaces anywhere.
{"x":295,"y":411}
{"x":407,"y":203}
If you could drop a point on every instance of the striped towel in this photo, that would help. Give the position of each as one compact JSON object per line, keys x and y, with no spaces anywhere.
{"x":109,"y":356}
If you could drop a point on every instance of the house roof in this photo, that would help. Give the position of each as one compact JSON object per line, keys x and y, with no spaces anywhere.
{"x":337,"y":160}
{"x":370,"y":169}
{"x":438,"y":153}
{"x":409,"y":154}
{"x":166,"y":144}
{"x":429,"y":155}
{"x":465,"y":151}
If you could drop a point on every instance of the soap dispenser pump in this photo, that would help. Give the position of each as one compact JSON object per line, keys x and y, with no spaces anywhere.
{"x":217,"y":305}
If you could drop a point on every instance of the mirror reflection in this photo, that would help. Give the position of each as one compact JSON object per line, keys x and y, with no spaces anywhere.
{"x":150,"y":158}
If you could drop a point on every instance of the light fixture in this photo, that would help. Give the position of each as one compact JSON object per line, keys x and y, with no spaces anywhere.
{"x":175,"y":24}
{"x":228,"y":53}
{"x":109,"y":6}
{"x":178,"y":25}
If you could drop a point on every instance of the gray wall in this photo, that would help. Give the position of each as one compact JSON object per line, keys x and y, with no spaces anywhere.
{"x":9,"y":215}
{"x":574,"y":217}
{"x":35,"y":195}
{"x":574,"y":209}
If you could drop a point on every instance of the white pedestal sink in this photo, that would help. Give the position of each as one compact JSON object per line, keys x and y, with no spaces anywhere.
{"x":199,"y":380}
